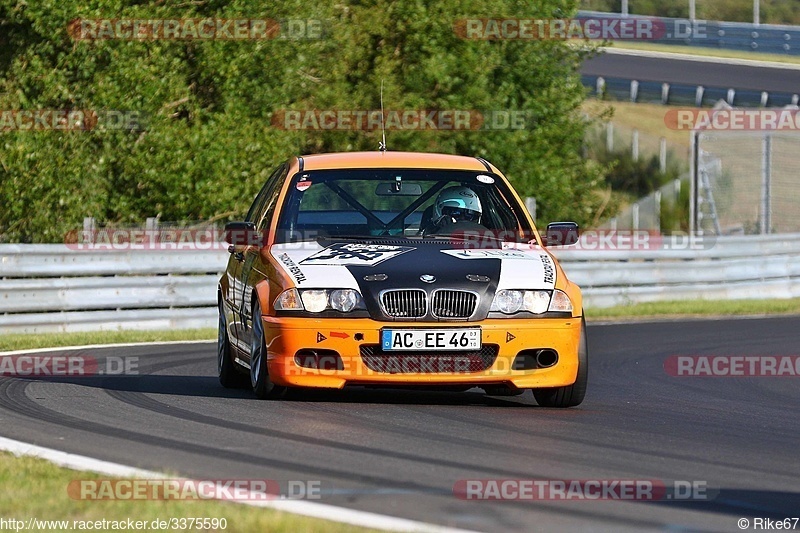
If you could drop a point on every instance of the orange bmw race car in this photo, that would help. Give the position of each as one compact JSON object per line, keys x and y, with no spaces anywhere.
{"x":393,"y":268}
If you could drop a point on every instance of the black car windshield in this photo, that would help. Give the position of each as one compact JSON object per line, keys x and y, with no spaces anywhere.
{"x":376,"y":203}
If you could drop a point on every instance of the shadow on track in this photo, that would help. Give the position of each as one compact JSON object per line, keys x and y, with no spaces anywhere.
{"x":209,"y":387}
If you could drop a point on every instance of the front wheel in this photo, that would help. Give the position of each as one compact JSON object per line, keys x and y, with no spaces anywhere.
{"x":259,"y":372}
{"x":229,"y":375}
{"x":570,"y":395}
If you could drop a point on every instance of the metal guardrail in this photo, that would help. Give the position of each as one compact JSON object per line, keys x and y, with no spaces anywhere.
{"x":767,"y":38}
{"x":46,"y":288}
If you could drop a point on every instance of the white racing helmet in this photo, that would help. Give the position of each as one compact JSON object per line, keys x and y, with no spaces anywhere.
{"x":458,"y":203}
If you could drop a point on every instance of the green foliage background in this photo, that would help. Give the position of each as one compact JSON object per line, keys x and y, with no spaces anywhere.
{"x":209,"y":144}
{"x":770,"y":11}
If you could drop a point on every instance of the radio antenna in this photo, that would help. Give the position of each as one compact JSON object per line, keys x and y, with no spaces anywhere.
{"x":382,"y":144}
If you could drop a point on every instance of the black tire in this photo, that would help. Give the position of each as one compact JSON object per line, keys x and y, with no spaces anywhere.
{"x":262,"y":385}
{"x":570,"y":395}
{"x":229,"y":376}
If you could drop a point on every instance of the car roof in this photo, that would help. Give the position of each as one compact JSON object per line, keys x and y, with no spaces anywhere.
{"x":388,"y":159}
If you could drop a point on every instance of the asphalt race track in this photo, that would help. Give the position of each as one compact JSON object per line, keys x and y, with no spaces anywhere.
{"x":706,"y":73}
{"x":401,"y":452}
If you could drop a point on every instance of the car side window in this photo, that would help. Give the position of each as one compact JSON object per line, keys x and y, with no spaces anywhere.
{"x":256,"y":211}
{"x":271,"y":198}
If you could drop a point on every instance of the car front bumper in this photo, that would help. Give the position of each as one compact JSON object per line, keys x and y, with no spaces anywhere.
{"x":349,"y":338}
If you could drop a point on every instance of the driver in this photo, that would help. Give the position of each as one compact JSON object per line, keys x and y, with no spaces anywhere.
{"x":456,"y":206}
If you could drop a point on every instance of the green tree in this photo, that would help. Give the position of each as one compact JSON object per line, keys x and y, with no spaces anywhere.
{"x":209,"y":143}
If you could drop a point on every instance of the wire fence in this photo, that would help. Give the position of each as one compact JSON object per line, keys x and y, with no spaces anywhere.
{"x":747,"y":183}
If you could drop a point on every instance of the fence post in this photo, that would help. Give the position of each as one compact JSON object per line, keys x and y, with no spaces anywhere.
{"x":766,"y":176}
{"x":694,"y":159}
{"x":657,"y":210}
{"x":662,"y":154}
{"x":610,"y":137}
{"x":635,"y":145}
{"x":89,"y":230}
{"x":635,"y":216}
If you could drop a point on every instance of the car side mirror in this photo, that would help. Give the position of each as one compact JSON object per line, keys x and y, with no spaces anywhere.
{"x":241,"y":234}
{"x":561,"y":234}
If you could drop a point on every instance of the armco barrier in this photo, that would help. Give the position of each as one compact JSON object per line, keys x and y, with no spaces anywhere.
{"x":45,"y":288}
{"x":766,"y":38}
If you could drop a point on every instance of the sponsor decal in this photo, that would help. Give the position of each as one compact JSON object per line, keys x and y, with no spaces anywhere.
{"x":485,"y":179}
{"x":509,"y":336}
{"x":345,"y":254}
{"x":488,"y":254}
{"x":292,"y":268}
{"x":339,"y":335}
{"x":549,"y":272}
{"x":303,"y":185}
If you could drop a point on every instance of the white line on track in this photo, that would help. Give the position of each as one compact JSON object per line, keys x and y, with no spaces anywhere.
{"x":95,"y":346}
{"x":300,"y":507}
{"x":703,"y":59}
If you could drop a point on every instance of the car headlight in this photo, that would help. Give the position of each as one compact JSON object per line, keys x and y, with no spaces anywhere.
{"x":509,"y":301}
{"x":318,"y":300}
{"x":315,"y":301}
{"x":536,"y":301}
{"x":344,"y":300}
{"x":560,"y":302}
{"x":289,"y":301}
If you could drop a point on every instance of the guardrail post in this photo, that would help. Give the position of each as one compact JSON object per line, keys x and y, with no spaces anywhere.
{"x":698,"y":96}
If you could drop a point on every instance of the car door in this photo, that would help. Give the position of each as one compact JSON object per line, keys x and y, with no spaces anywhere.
{"x":253,"y":269}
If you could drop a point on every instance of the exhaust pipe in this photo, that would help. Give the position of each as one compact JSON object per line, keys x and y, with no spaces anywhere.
{"x":546,"y":358}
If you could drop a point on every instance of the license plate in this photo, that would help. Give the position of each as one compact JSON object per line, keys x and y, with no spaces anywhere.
{"x":431,"y":339}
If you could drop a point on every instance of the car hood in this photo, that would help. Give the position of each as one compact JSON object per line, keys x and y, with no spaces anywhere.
{"x":375,"y":266}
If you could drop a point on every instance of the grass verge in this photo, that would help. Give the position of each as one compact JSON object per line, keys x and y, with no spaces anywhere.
{"x":692,"y":308}
{"x":23,"y":341}
{"x":709,"y":52}
{"x":35,"y":488}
